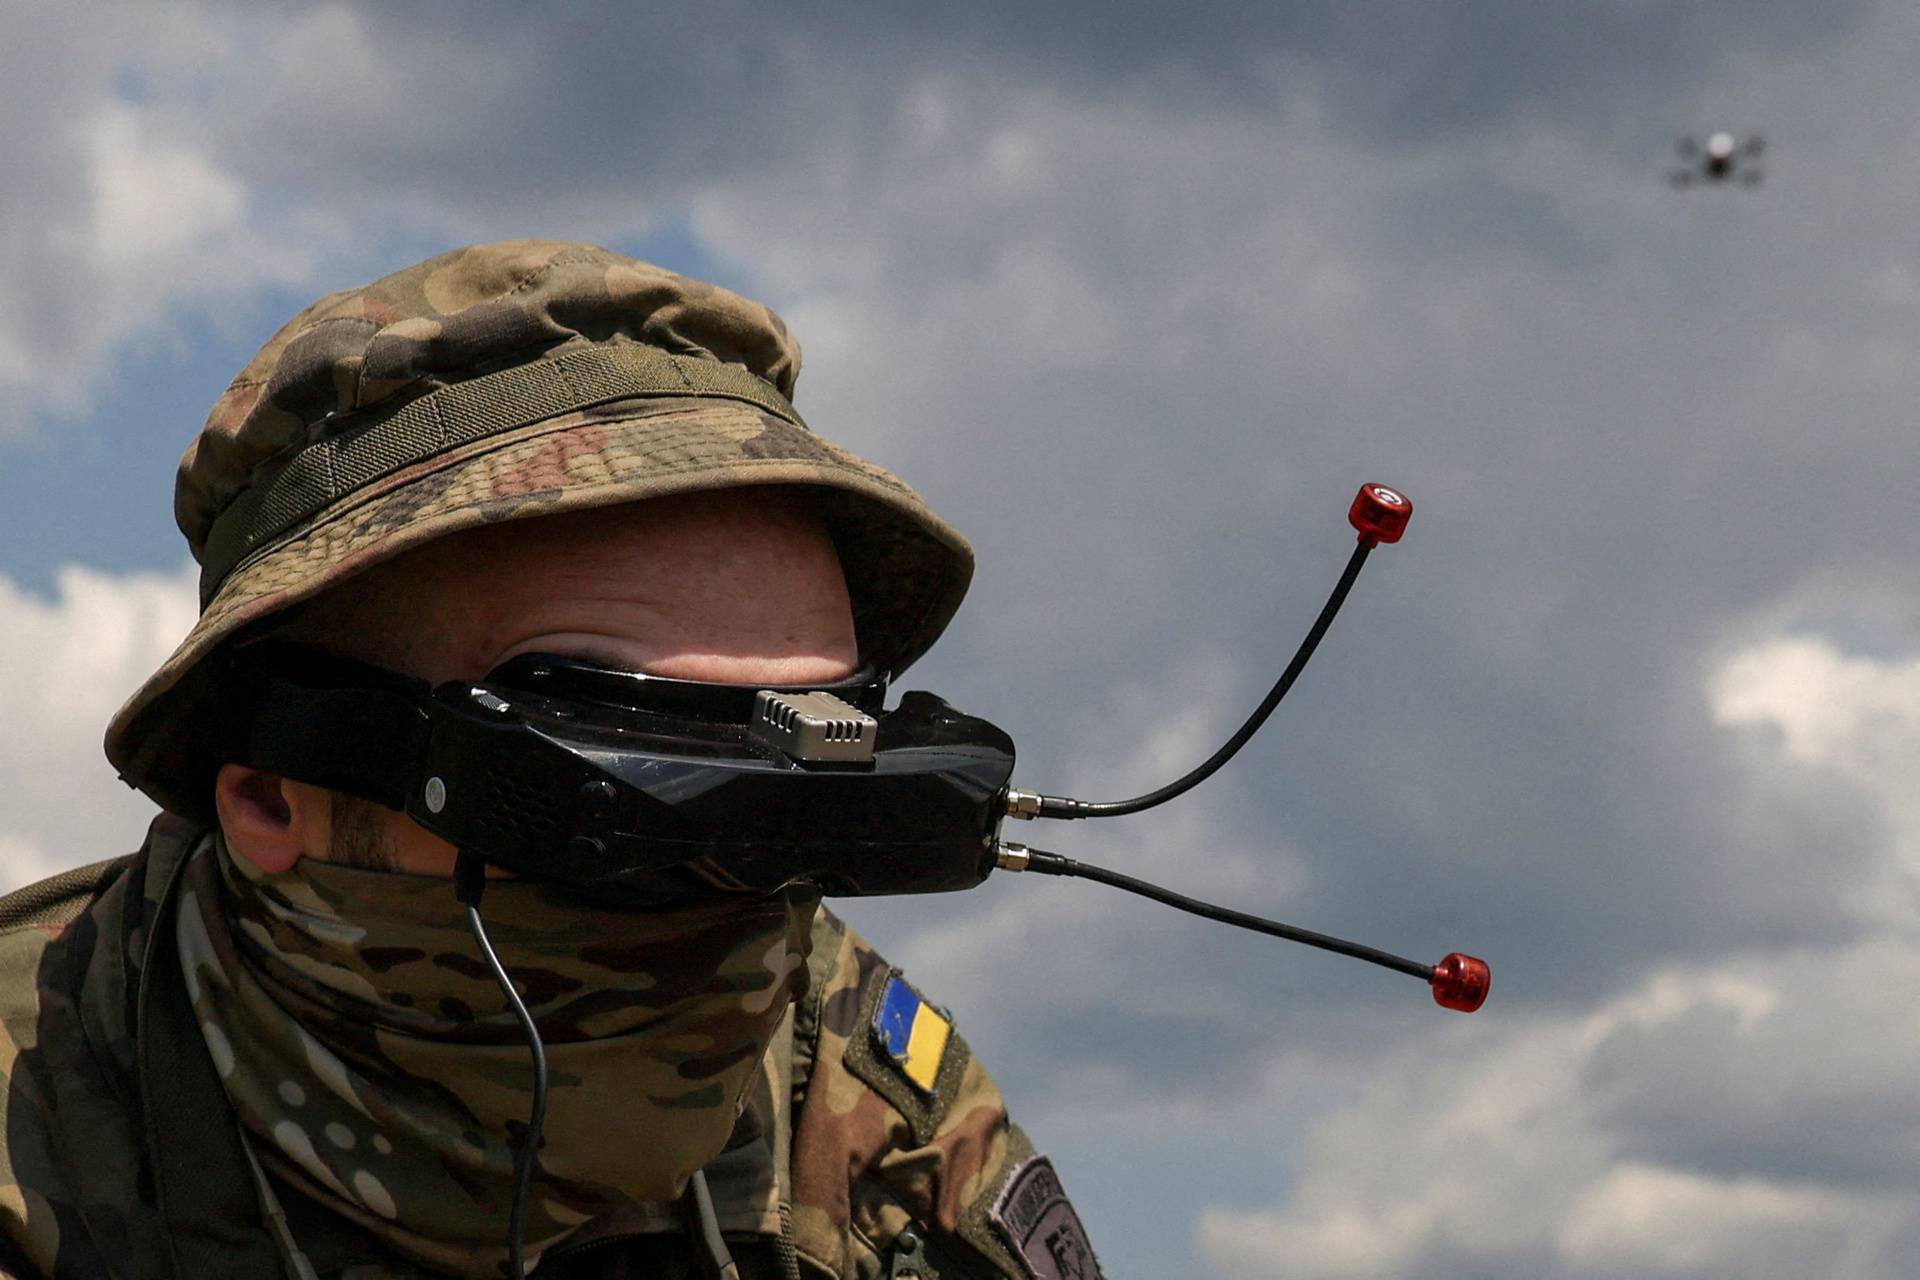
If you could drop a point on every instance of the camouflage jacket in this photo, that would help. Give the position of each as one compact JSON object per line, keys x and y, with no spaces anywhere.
{"x":120,"y":1158}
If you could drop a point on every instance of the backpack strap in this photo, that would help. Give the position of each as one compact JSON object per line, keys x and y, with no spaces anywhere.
{"x":208,"y":1199}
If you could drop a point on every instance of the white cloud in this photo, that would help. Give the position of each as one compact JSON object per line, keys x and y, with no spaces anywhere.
{"x":1517,"y":1152}
{"x":124,"y":222}
{"x":153,"y":200}
{"x":1859,"y":714}
{"x":66,"y":664}
{"x":1644,"y":1220}
{"x":1854,"y":718}
{"x":1752,"y":1114}
{"x":22,"y":863}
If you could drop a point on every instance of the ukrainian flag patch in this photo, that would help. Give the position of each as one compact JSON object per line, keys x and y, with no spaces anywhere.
{"x":912,"y":1033}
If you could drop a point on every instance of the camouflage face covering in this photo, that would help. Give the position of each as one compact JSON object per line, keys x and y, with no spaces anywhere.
{"x":371,"y":1059}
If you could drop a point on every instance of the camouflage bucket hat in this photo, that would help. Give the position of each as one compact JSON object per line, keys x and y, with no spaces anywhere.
{"x":502,"y":382}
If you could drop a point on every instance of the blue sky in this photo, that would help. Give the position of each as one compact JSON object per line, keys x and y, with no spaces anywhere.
{"x":1633,"y":712}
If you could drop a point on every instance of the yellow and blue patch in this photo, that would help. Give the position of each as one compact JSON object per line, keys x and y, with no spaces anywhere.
{"x":912,"y":1034}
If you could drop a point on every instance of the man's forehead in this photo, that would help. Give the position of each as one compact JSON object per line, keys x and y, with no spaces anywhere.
{"x":733,"y":570}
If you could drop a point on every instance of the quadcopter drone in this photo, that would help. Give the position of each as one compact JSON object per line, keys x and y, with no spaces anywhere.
{"x":1723,"y":160}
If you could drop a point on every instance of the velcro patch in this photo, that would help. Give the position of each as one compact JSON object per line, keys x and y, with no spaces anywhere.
{"x":940,"y":1059}
{"x":1033,"y":1216}
{"x":911,"y":1033}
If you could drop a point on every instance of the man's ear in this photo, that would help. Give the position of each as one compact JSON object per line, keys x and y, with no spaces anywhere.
{"x":269,"y":820}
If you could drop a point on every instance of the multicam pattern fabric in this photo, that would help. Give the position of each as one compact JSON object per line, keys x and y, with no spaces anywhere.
{"x":367,"y":1051}
{"x":76,"y":1184}
{"x":864,"y":1168}
{"x":359,"y":356}
{"x":122,"y":1158}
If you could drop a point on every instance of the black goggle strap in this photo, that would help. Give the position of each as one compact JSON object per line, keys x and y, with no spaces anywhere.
{"x":367,"y":740}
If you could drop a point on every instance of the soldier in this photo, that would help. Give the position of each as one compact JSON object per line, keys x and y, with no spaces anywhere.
{"x":263,"y":1046}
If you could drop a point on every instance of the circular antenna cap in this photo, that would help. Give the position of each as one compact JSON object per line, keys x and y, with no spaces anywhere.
{"x":1380,"y":512}
{"x":1461,"y":982}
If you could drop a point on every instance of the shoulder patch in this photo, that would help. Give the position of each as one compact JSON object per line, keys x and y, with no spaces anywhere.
{"x":1033,"y":1216}
{"x":905,"y":1050}
{"x":912,"y":1033}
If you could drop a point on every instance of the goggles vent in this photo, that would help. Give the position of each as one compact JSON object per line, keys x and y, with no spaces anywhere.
{"x":812,"y":727}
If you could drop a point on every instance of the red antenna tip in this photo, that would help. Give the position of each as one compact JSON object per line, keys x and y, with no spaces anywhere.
{"x":1461,"y":982}
{"x":1380,"y":512}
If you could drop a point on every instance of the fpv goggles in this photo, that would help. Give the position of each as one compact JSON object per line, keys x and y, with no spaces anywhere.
{"x":640,"y":790}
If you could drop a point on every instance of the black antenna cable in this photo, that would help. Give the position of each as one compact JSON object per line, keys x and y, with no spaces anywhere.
{"x":1459,"y":981}
{"x":1380,"y":513}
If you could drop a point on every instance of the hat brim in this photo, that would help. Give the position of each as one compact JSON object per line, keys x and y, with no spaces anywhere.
{"x":906,"y":569}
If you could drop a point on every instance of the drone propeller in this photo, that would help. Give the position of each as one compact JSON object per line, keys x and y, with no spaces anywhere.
{"x":1688,"y":148}
{"x":1754,"y":145}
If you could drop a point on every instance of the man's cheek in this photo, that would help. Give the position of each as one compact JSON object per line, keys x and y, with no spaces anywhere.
{"x":410,"y":847}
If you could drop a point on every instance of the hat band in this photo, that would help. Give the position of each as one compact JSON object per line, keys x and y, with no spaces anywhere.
{"x":489,"y":405}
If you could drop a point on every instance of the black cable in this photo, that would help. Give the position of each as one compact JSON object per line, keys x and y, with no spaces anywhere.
{"x":1062,"y":807}
{"x":1054,"y":864}
{"x":469,"y":878}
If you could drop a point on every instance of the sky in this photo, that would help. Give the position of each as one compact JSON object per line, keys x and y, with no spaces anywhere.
{"x":1138,"y":295}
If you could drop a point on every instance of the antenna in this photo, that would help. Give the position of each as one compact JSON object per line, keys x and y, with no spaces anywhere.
{"x":1461,"y":982}
{"x":1380,"y":513}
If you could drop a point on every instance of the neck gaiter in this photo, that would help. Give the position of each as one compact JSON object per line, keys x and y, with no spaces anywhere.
{"x":375,"y":1067}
